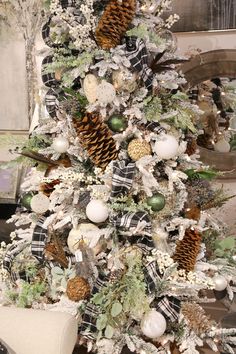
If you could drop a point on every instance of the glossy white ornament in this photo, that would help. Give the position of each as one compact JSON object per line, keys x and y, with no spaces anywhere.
{"x":60,"y":144}
{"x":97,"y":211}
{"x":124,"y":80}
{"x":153,"y":324}
{"x":88,"y":232}
{"x":90,"y":86}
{"x":106,"y":93}
{"x":166,"y":147}
{"x":39,"y":203}
{"x":222,"y":146}
{"x":220,"y":282}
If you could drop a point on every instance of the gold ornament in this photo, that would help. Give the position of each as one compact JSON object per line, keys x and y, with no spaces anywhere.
{"x":77,"y":289}
{"x":138,"y":148}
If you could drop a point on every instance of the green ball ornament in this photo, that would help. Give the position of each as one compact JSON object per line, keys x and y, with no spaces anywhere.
{"x":117,"y":124}
{"x":156,"y":202}
{"x":25,"y":200}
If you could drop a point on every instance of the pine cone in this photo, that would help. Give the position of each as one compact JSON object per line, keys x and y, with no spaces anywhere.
{"x":114,"y":22}
{"x":192,"y":212}
{"x":48,"y":187}
{"x":97,"y":139}
{"x":197,"y":320}
{"x":191,"y":146}
{"x":77,"y":289}
{"x":187,"y":250}
{"x":55,"y":251}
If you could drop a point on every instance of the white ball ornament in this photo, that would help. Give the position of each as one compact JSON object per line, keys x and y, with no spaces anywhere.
{"x":232,"y":123}
{"x":220,"y":282}
{"x":153,"y":324}
{"x":90,"y":86}
{"x":97,"y":211}
{"x":87,"y":232}
{"x":106,"y":93}
{"x":60,"y":144}
{"x":222,"y":146}
{"x":166,"y":147}
{"x":39,"y":203}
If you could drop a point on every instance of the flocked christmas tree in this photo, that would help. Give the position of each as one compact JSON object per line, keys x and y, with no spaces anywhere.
{"x":113,"y":222}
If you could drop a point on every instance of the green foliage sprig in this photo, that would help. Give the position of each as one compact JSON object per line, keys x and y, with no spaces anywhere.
{"x":123,"y":299}
{"x":207,"y":174}
{"x":27,"y":293}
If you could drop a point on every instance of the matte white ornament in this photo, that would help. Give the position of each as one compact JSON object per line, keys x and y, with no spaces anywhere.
{"x":153,"y":324}
{"x":106,"y":93}
{"x":220,"y":282}
{"x":97,"y":211}
{"x":87,"y":232}
{"x":90,"y":86}
{"x":232,"y":123}
{"x":166,"y":147}
{"x":40,"y":203}
{"x":60,"y":144}
{"x":222,"y":146}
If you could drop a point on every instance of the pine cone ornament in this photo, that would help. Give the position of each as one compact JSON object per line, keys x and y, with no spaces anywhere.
{"x":114,"y":22}
{"x":191,"y":146}
{"x":97,"y":139}
{"x":197,"y":320}
{"x":192,"y":212}
{"x":48,"y":187}
{"x":187,"y":250}
{"x":77,"y":289}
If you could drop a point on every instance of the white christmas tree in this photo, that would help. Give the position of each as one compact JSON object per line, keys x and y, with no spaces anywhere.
{"x":113,"y":224}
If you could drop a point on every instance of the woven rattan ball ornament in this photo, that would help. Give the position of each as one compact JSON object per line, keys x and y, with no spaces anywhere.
{"x":77,"y":289}
{"x":138,"y":148}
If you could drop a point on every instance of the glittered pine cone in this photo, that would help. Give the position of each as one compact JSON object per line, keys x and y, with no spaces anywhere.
{"x":77,"y":289}
{"x":187,"y":250}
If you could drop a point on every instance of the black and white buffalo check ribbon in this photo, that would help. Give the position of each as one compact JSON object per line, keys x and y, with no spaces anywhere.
{"x":88,"y":326}
{"x":133,"y":221}
{"x":169,"y":307}
{"x":122,"y":178}
{"x":51,"y":101}
{"x":136,"y":52}
{"x":39,"y":240}
{"x":152,"y":276}
{"x":48,"y":79}
{"x":155,"y":127}
{"x":9,"y":258}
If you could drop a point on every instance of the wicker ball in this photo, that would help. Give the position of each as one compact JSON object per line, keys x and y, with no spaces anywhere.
{"x":77,"y":289}
{"x":138,"y":148}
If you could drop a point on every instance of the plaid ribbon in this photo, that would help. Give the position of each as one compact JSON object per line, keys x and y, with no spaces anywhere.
{"x":155,"y":127}
{"x":9,"y":257}
{"x":38,"y":240}
{"x":145,"y":243}
{"x":169,"y":307}
{"x":152,"y":275}
{"x":193,"y":94}
{"x":136,"y":52}
{"x":88,"y":326}
{"x":49,"y":79}
{"x":131,"y":220}
{"x":51,"y":100}
{"x":122,"y":178}
{"x":46,"y":35}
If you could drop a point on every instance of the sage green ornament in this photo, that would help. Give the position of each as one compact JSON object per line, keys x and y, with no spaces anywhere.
{"x":117,"y":123}
{"x":156,"y":202}
{"x":25,"y":200}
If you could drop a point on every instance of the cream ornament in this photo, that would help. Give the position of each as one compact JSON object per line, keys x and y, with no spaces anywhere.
{"x":222,"y":146}
{"x":220,"y":282}
{"x":90,"y":86}
{"x":60,"y":144}
{"x":124,"y":80}
{"x":232,"y":123}
{"x":40,"y":203}
{"x":97,"y":211}
{"x":153,"y":324}
{"x":106,"y":93}
{"x":166,"y":147}
{"x":87,"y":232}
